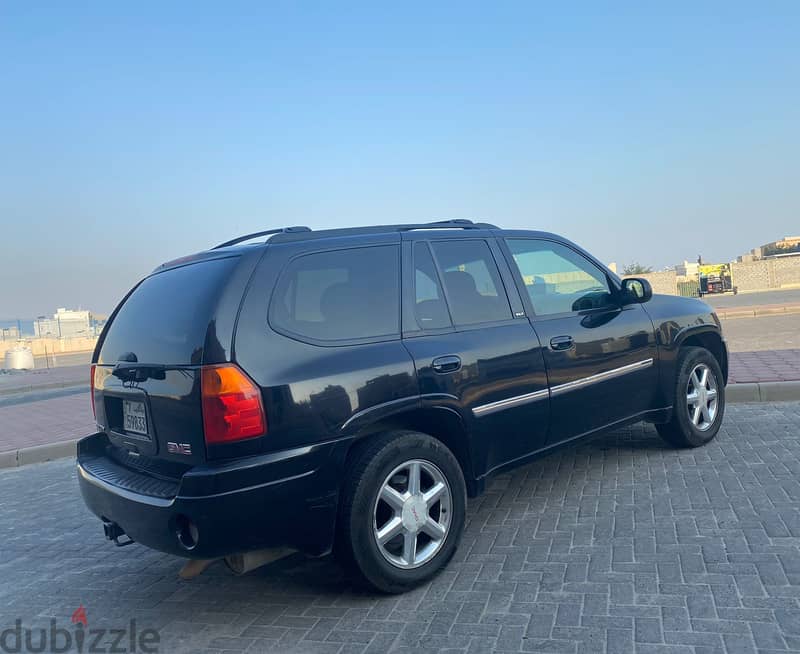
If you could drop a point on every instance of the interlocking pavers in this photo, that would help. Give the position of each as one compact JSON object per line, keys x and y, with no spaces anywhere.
{"x":765,"y":366}
{"x":620,"y":545}
{"x":45,"y":422}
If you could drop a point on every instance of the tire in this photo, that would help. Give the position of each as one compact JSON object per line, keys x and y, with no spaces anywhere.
{"x":366,"y":508}
{"x":688,"y":428}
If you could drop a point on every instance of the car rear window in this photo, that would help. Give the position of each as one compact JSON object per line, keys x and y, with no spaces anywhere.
{"x":472,"y":282}
{"x":339,"y":295}
{"x":166,"y":318}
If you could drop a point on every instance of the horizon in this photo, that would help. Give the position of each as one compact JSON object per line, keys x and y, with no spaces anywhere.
{"x":138,"y":134}
{"x":5,"y":321}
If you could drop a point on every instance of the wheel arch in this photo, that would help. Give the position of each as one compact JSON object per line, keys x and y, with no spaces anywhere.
{"x":708,"y":338}
{"x":442,"y":423}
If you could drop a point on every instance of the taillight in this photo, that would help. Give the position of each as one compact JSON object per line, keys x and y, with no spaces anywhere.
{"x":91,"y":384}
{"x":232,"y":409}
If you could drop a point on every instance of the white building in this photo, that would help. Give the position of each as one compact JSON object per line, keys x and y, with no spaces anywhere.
{"x":687,"y":269}
{"x":65,"y":322}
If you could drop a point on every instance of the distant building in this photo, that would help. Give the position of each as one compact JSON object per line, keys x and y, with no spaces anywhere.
{"x":64,"y":323}
{"x":9,"y":333}
{"x":787,"y":246}
{"x":687,"y":269}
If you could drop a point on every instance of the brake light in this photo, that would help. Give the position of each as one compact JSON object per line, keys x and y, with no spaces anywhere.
{"x":91,"y":385}
{"x":232,"y":409}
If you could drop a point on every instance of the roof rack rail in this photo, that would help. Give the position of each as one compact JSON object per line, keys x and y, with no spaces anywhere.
{"x":464,"y":223}
{"x":267,"y":232}
{"x":459,"y":223}
{"x":301,"y":232}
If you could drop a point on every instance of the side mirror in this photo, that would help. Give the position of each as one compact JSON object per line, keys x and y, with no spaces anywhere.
{"x":637,"y":289}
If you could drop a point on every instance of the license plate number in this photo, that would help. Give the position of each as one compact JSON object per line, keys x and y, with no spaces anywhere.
{"x":134,"y":417}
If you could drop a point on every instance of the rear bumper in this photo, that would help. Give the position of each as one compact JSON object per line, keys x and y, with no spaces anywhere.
{"x":286,"y":498}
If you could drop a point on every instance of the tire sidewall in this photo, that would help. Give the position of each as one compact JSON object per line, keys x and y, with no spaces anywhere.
{"x":693,"y":357}
{"x":366,"y":554}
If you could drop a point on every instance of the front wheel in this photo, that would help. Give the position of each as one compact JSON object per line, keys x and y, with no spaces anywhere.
{"x":698,"y":400}
{"x":402,"y":510}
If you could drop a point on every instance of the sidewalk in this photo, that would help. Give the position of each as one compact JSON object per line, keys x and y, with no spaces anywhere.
{"x":767,"y":366}
{"x":755,"y":311}
{"x":23,"y":381}
{"x":46,"y":421}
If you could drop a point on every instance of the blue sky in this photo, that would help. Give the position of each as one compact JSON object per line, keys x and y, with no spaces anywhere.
{"x":132,"y":133}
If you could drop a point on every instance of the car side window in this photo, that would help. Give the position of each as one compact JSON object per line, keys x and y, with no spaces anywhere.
{"x":472,"y":283}
{"x":339,"y":295}
{"x":558,"y":279}
{"x":430,"y":307}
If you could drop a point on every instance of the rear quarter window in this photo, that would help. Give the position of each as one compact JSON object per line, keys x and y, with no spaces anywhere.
{"x":339,"y":295}
{"x":165,"y":319}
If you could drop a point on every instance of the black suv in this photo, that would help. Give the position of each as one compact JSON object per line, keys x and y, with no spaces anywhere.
{"x":347,"y":389}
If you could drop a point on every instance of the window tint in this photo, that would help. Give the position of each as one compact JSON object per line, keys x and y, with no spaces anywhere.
{"x":474,"y":291}
{"x":340,"y":295}
{"x":430,"y":306}
{"x":165,"y":319}
{"x":558,"y":279}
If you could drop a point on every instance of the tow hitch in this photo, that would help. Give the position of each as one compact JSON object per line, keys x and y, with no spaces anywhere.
{"x":113,"y":533}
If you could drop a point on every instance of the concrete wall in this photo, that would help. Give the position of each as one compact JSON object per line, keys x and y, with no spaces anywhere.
{"x":766,"y":274}
{"x":40,"y":346}
{"x":664,"y":283}
{"x":762,"y":275}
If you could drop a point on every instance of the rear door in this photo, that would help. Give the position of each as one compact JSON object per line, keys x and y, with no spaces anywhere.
{"x":169,"y":325}
{"x":601,"y":355}
{"x":474,"y":351}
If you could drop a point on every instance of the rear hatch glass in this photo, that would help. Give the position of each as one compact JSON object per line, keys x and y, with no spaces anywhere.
{"x":166,"y":318}
{"x":167,"y":321}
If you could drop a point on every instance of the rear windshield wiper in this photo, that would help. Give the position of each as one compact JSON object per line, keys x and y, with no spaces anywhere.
{"x":140,"y":371}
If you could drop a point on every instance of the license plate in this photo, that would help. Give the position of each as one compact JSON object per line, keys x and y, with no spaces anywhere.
{"x":134,"y":417}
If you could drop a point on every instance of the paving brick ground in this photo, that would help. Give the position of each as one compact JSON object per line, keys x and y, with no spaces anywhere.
{"x":775,"y":365}
{"x":46,"y":421}
{"x":618,"y":545}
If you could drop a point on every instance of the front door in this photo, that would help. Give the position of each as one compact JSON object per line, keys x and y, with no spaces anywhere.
{"x":600,"y":352}
{"x":474,"y":351}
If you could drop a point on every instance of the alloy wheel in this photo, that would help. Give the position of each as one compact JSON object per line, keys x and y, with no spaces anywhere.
{"x":701,"y":397}
{"x":412,"y":514}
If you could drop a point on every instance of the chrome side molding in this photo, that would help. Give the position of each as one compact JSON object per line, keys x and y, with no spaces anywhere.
{"x":519,"y":400}
{"x":600,"y":377}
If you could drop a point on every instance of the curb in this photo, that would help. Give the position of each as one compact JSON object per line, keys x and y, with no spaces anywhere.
{"x":19,"y":390}
{"x":40,"y":396}
{"x":38,"y":454}
{"x":757,"y":311}
{"x":787,"y":391}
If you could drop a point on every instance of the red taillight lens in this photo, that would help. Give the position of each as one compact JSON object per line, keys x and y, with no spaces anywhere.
{"x":232,"y":409}
{"x":91,"y":384}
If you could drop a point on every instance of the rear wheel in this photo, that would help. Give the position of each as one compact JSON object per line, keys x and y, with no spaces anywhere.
{"x":698,"y":400}
{"x":402,"y":510}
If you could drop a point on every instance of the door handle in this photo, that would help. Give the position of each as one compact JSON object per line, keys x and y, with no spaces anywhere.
{"x":561,"y":342}
{"x":449,"y":363}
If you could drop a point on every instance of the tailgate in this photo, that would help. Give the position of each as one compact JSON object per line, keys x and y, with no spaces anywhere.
{"x":156,"y":417}
{"x":148,"y":367}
